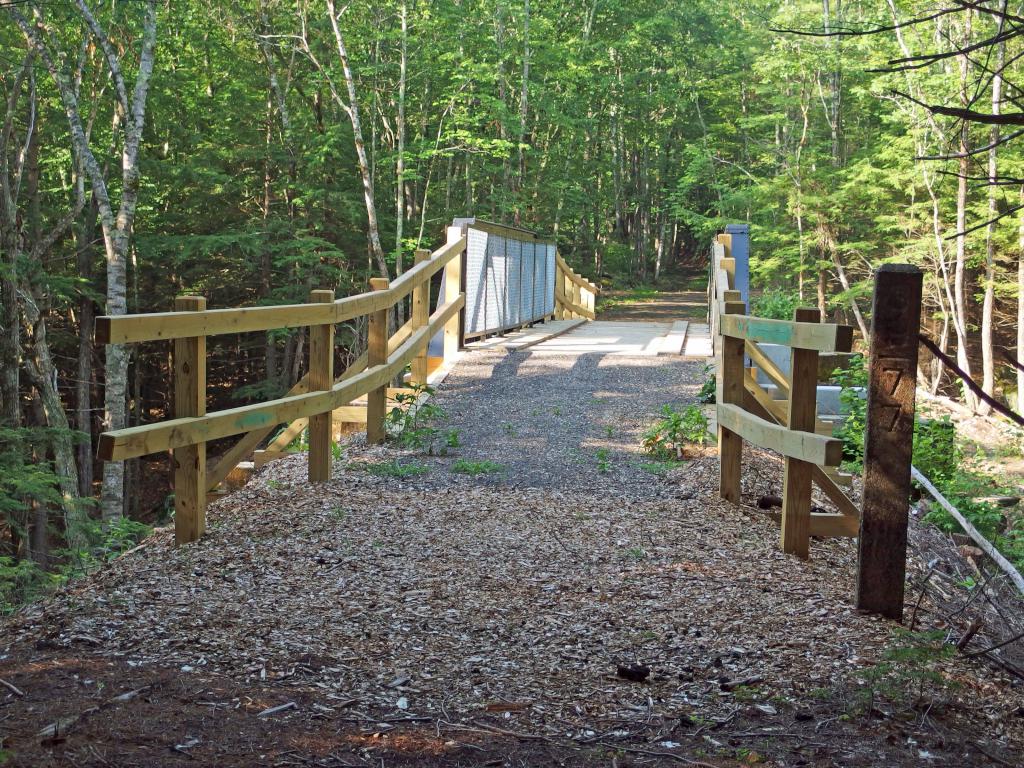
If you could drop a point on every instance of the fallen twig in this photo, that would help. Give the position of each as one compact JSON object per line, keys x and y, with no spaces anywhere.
{"x":278,"y":708}
{"x":12,"y":687}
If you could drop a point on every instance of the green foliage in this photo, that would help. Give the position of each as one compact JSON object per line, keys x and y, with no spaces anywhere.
{"x":604,"y":465}
{"x":910,"y":671}
{"x":22,"y":581}
{"x":393,"y":468}
{"x":668,"y":438}
{"x":854,"y":381}
{"x":409,"y":424}
{"x":708,"y":390}
{"x":776,"y":304}
{"x":468,"y":467}
{"x":658,"y":468}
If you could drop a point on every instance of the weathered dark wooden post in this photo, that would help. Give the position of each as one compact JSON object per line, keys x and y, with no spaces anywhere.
{"x":888,"y":440}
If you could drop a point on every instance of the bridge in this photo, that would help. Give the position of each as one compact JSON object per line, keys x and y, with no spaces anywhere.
{"x":525,"y":586}
{"x":493,"y":287}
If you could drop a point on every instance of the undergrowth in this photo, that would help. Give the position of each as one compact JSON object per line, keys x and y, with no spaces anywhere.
{"x":467,"y":467}
{"x":939,"y":456}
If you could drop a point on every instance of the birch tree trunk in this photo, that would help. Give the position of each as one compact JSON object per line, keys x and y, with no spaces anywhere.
{"x":960,"y":269}
{"x":988,"y":367}
{"x":400,"y":161}
{"x":351,"y":108}
{"x":1020,"y":305}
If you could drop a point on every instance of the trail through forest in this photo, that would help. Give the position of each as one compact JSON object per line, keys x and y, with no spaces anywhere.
{"x":409,"y":613}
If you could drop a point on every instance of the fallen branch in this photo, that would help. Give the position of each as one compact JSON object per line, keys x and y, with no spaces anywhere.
{"x":986,"y":546}
{"x":12,"y":687}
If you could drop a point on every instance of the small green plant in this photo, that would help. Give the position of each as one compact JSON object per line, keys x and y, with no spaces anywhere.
{"x":409,"y":422}
{"x":556,"y":411}
{"x":336,"y":451}
{"x":392,"y":468}
{"x":708,"y":391}
{"x":275,"y":484}
{"x":509,"y":428}
{"x":467,"y":467}
{"x":669,"y":437}
{"x":451,"y":439}
{"x":340,"y":514}
{"x":636,"y":553}
{"x":907,"y":672}
{"x":603,"y":461}
{"x":609,"y":431}
{"x":658,"y":468}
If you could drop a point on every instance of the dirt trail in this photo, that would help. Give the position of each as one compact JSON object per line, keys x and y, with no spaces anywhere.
{"x":664,"y":307}
{"x":406,"y":614}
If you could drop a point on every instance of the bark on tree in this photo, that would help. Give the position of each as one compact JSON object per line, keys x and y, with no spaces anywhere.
{"x":988,"y":367}
{"x":130,"y":113}
{"x":960,"y":270}
{"x":351,"y":108}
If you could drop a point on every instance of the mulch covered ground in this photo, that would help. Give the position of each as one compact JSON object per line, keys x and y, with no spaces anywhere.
{"x":441,"y":619}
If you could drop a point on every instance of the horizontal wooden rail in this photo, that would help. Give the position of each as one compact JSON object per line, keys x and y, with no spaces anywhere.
{"x":818,"y":337}
{"x":176,"y":433}
{"x":575,"y":276}
{"x":575,"y":296}
{"x":126,"y":329}
{"x":805,"y":446}
{"x":572,"y":307}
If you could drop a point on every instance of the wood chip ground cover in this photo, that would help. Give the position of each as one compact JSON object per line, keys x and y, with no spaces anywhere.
{"x":450,"y":619}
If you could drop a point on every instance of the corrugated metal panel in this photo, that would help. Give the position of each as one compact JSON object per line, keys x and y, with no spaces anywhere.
{"x":514,"y":254}
{"x":494,"y":305}
{"x":549,"y":296}
{"x":526,"y":284}
{"x":510,"y":277}
{"x":540,"y":281}
{"x":476,"y":285}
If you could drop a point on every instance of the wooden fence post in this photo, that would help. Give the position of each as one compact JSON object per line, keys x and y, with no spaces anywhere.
{"x":321,"y":377}
{"x":189,"y":400}
{"x":730,"y":445}
{"x":802,"y":412}
{"x":420,"y":315}
{"x":888,"y":440}
{"x":452,"y":288}
{"x":377,"y":354}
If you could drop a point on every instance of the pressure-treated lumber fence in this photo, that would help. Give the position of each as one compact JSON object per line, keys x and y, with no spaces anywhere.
{"x":747,"y":411}
{"x":575,"y":296}
{"x":790,"y":425}
{"x":542,"y":285}
{"x":314,"y":398}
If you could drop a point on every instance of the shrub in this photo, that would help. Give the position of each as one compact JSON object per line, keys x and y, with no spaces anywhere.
{"x":776,"y":304}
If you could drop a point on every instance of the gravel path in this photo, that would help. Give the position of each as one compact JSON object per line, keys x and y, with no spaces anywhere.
{"x":572,"y":421}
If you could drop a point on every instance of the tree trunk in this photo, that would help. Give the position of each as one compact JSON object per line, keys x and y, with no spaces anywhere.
{"x":400,"y":162}
{"x":988,"y":367}
{"x":960,"y":270}
{"x":352,"y":110}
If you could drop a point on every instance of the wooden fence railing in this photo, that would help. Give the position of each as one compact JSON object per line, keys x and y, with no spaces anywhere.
{"x":311,"y":401}
{"x":790,"y":425}
{"x":575,"y":296}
